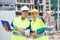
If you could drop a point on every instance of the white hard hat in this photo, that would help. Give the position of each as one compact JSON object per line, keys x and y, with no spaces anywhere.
{"x":24,"y":8}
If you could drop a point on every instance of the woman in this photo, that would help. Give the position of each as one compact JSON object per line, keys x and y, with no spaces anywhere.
{"x":37,"y":26}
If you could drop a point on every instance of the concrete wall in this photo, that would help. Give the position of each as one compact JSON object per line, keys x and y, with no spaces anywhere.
{"x":6,"y":15}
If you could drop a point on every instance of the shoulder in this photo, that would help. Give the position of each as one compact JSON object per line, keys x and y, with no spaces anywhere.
{"x":17,"y":18}
{"x":41,"y":21}
{"x":27,"y":20}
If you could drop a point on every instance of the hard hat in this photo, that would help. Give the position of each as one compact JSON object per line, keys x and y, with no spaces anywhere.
{"x":34,"y":10}
{"x":24,"y":8}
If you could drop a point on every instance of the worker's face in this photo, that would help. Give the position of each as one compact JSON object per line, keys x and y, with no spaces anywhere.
{"x":34,"y":15}
{"x":25,"y":14}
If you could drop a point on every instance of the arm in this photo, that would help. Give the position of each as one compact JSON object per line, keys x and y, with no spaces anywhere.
{"x":32,"y":34}
{"x":49,"y":13}
{"x":38,"y":31}
{"x":22,"y":31}
{"x":46,"y":16}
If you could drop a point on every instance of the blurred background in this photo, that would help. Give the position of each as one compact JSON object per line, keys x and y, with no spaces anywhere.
{"x":9,"y":9}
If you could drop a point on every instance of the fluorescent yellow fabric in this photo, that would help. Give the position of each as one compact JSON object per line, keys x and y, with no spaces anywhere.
{"x":14,"y":37}
{"x":36,"y":25}
{"x":42,"y":38}
{"x":22,"y":24}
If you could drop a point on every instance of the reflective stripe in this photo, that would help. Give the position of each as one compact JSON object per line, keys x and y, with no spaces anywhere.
{"x":40,"y":35}
{"x":18,"y":34}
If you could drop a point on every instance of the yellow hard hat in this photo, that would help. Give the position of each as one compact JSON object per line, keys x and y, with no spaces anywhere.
{"x":34,"y":10}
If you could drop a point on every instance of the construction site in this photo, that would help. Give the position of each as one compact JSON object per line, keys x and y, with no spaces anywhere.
{"x":10,"y":9}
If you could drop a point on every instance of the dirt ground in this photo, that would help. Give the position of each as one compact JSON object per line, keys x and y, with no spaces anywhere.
{"x":55,"y":36}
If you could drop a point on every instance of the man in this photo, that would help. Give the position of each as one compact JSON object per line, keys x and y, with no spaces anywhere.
{"x":21,"y":23}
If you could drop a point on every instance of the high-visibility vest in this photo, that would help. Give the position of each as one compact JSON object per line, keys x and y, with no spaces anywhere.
{"x":18,"y":22}
{"x":38,"y":23}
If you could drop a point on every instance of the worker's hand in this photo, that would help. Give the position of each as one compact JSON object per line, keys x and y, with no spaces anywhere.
{"x":49,"y":12}
{"x":6,"y":27}
{"x":34,"y":34}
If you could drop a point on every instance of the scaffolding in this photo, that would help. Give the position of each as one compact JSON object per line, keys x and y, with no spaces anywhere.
{"x":42,"y":5}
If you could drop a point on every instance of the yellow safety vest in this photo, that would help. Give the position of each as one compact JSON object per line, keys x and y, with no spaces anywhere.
{"x":18,"y":22}
{"x":38,"y":23}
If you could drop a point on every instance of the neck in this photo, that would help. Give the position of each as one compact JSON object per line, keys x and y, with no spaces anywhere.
{"x":22,"y":18}
{"x":34,"y":19}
